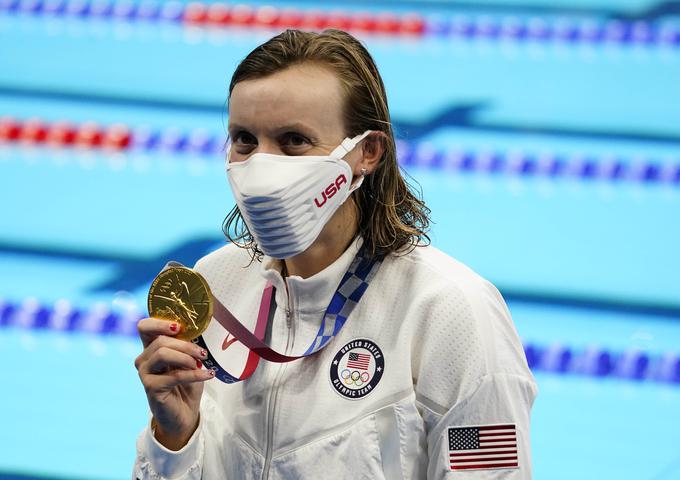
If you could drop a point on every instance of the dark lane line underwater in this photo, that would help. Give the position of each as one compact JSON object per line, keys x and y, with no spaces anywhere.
{"x":462,"y":116}
{"x":134,"y":272}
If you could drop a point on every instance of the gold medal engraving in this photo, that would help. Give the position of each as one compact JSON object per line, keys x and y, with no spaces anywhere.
{"x":181,"y":295}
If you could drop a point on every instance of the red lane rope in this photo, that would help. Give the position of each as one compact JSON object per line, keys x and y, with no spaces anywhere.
{"x":35,"y":131}
{"x":220,"y":14}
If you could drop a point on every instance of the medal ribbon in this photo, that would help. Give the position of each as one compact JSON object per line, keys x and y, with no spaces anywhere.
{"x":350,"y":290}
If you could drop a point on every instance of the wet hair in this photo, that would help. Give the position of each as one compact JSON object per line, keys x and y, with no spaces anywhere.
{"x":392,"y":218}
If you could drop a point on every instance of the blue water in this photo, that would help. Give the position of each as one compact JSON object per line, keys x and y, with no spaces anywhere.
{"x":84,"y":226}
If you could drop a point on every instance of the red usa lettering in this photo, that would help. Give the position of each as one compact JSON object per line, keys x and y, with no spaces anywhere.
{"x":330,"y":190}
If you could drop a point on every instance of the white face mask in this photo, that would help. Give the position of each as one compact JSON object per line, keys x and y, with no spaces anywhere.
{"x":287,"y":200}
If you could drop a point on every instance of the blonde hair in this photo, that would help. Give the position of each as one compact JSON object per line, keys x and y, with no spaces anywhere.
{"x":391,"y":217}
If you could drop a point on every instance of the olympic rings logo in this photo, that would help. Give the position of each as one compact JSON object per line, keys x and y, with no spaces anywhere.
{"x":354,"y":377}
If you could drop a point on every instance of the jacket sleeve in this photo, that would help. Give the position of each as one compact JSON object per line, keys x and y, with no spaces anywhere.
{"x":500,"y":401}
{"x":474,"y":389}
{"x":155,"y":462}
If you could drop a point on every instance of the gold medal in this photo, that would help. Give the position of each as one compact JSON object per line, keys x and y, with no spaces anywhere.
{"x":182,"y":295}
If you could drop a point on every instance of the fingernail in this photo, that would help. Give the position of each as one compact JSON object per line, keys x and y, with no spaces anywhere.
{"x":173,"y":327}
{"x":212,"y":373}
{"x":204,"y":353}
{"x":198,"y":364}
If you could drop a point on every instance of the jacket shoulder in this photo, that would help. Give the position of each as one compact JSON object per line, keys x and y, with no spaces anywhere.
{"x":226,"y":256}
{"x":462,"y":327}
{"x":443,"y":273}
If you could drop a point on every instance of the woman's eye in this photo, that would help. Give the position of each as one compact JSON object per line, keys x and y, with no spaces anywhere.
{"x":295,"y":140}
{"x":244,"y":138}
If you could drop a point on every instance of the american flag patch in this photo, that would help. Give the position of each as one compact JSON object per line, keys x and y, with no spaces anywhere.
{"x":483,"y":447}
{"x":358,"y":360}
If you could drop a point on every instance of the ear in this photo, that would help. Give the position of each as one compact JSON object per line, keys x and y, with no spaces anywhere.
{"x":372,"y":149}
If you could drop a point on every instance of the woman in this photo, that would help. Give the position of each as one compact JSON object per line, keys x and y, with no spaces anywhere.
{"x":426,"y":378}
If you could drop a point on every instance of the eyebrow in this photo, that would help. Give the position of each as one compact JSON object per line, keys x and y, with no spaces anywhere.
{"x":295,"y":126}
{"x":235,"y":126}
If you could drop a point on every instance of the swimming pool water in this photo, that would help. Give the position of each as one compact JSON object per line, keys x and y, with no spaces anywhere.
{"x":584,"y":263}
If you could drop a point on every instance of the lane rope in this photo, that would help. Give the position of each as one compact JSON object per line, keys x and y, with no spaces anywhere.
{"x":632,"y":364}
{"x":121,"y":138}
{"x":218,"y":15}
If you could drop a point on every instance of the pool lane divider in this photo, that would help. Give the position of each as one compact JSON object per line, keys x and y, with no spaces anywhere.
{"x":216,"y":15}
{"x":114,"y":138}
{"x":122,"y":138}
{"x":632,"y":364}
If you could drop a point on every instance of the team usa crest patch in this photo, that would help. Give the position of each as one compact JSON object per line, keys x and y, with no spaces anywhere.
{"x":357,"y":368}
{"x":483,"y":447}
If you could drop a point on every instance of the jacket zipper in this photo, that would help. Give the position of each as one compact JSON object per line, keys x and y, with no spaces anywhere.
{"x":274,"y":392}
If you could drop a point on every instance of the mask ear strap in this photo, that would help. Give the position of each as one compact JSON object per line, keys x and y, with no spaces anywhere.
{"x":356,"y":185}
{"x":347,"y":145}
{"x":228,"y":146}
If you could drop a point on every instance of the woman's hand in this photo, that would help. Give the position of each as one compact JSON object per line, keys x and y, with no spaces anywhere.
{"x":172,"y":376}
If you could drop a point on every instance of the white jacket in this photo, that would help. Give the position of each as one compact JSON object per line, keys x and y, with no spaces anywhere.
{"x":448,"y":356}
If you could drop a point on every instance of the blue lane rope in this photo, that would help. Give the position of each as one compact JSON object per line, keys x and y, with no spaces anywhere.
{"x":570,"y":31}
{"x":122,"y":10}
{"x":633,"y":364}
{"x":173,"y":140}
{"x":548,"y":165}
{"x":509,"y":28}
{"x":63,"y":317}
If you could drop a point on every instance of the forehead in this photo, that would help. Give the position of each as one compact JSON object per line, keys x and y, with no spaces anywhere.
{"x":307,"y":93}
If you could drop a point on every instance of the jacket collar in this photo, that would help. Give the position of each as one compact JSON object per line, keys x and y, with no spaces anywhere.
{"x":312,"y":294}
